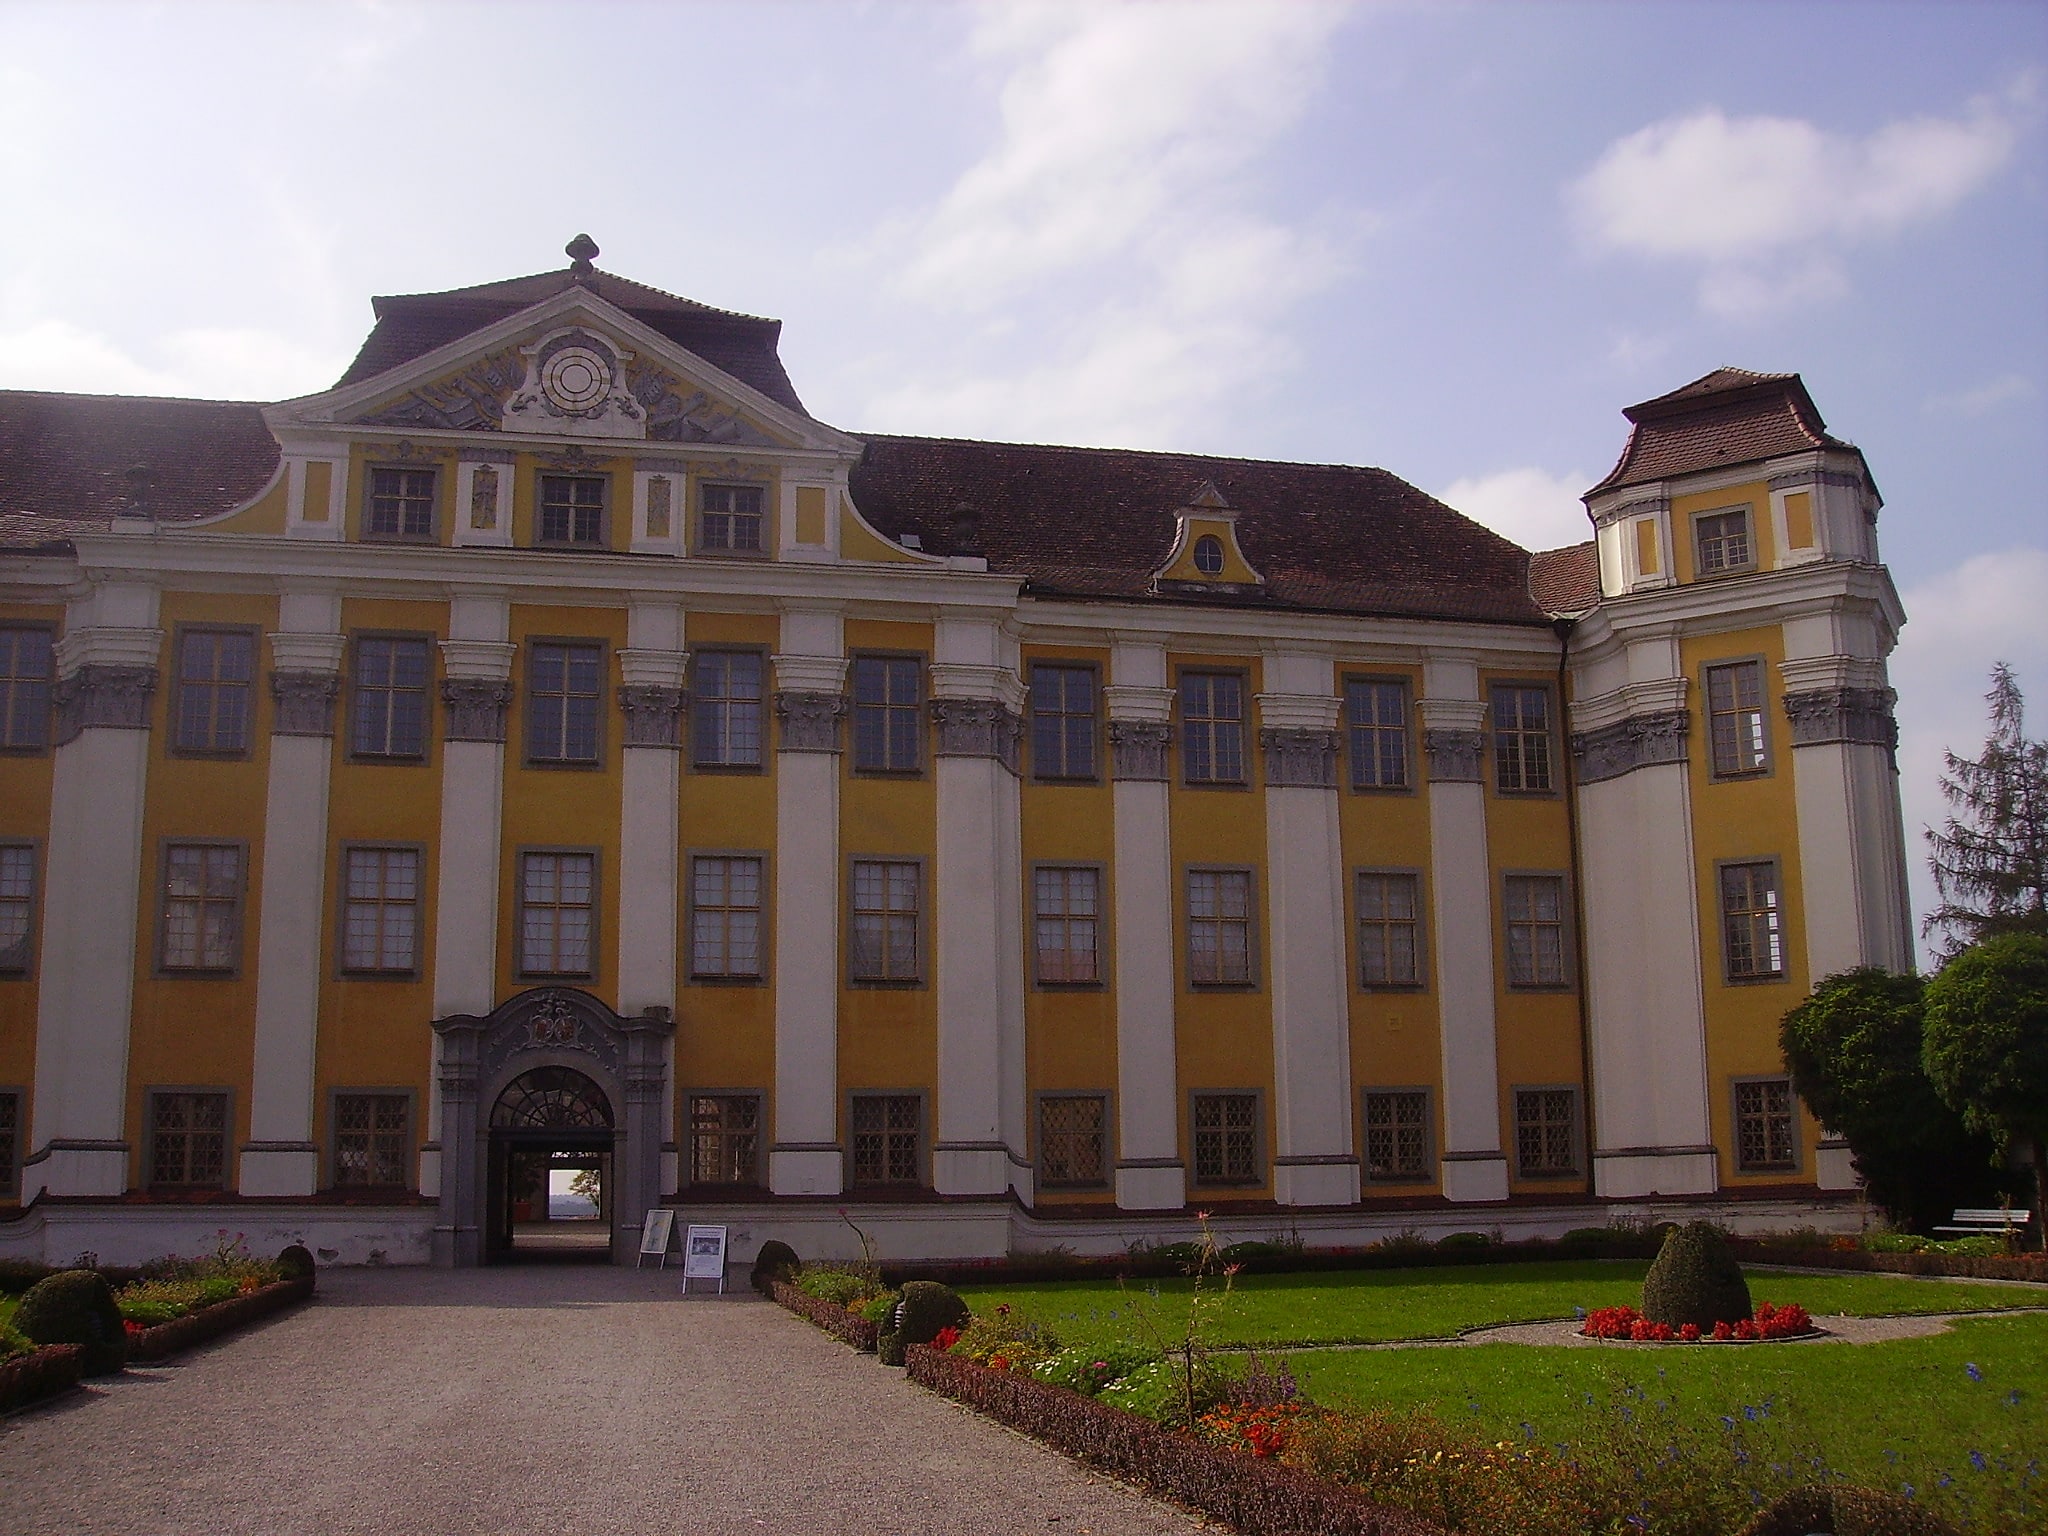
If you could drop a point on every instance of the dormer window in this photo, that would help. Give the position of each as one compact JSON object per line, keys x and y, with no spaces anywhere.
{"x":401,"y":504}
{"x":1723,"y":541}
{"x":1209,"y":555}
{"x":572,"y":509}
{"x":729,"y":520}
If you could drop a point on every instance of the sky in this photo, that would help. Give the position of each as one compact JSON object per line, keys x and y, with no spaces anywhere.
{"x":1449,"y":239}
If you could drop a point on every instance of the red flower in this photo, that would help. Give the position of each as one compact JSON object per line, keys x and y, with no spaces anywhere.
{"x":1690,"y":1333}
{"x":1722,"y":1331}
{"x":945,"y":1339}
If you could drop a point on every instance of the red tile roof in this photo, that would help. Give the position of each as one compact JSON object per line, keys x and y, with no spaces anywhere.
{"x":1566,"y":580}
{"x":1730,"y":416}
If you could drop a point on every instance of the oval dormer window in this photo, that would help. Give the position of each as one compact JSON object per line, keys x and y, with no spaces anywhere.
{"x":1209,"y":555}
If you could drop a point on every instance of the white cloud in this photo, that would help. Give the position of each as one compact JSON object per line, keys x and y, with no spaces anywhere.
{"x":1535,"y":508}
{"x":209,"y":363}
{"x":1764,"y":205}
{"x":53,"y":354}
{"x":1988,"y":396}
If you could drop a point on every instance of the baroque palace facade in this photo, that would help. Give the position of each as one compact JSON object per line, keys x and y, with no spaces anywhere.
{"x":553,"y":737}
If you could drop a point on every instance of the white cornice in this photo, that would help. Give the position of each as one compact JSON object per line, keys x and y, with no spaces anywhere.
{"x":1607,"y":503}
{"x":1741,"y":602}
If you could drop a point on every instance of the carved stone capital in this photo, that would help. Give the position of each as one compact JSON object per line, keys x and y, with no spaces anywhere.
{"x":978,"y":728}
{"x":1137,"y":749}
{"x":1300,"y":756}
{"x":1859,"y":715}
{"x":305,"y":703}
{"x":473,"y":708}
{"x":809,"y":721}
{"x":1455,"y":755}
{"x":1640,"y":741}
{"x":100,"y":694}
{"x":654,"y":715}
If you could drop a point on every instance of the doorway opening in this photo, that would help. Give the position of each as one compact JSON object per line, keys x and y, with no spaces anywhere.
{"x":550,"y":1186}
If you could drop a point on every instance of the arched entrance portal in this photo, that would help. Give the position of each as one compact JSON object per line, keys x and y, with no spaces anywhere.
{"x":553,"y":1070}
{"x":548,"y":1121}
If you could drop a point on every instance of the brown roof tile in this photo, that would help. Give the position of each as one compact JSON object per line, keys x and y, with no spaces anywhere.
{"x":1729,"y":416}
{"x":1566,"y":580}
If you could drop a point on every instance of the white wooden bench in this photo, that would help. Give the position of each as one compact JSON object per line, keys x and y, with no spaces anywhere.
{"x":1967,"y":1222}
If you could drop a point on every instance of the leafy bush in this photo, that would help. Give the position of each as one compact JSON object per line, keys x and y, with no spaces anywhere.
{"x":17,"y":1275}
{"x":1088,"y":1371}
{"x":1004,"y":1340}
{"x":1457,"y":1240}
{"x":1695,"y":1279}
{"x":76,"y":1306}
{"x":1845,"y":1511}
{"x":774,"y":1260}
{"x":1237,"y":1253}
{"x":1163,"y":1390}
{"x":876,"y":1309}
{"x":827,"y":1282}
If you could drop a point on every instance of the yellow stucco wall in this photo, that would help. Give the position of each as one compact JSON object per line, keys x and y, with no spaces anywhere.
{"x":1755,"y":495}
{"x":25,"y":780}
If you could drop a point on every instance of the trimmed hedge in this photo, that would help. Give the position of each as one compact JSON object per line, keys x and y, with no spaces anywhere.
{"x":1842,"y":1510}
{"x":180,"y":1333}
{"x":847,"y":1327}
{"x":43,"y":1373}
{"x":1956,"y":1266}
{"x":1259,"y":1498}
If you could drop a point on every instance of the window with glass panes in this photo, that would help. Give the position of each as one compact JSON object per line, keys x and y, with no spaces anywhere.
{"x":888,"y":1138}
{"x":1376,"y":718}
{"x":188,"y":1139}
{"x":388,"y":709}
{"x":1752,"y":925}
{"x":884,"y":940}
{"x":564,"y":700}
{"x":380,"y":909}
{"x":1546,"y":1132}
{"x":17,"y":906}
{"x":725,"y":916}
{"x":1389,"y":927}
{"x":1073,"y":1149}
{"x":1521,"y":737}
{"x":1062,"y":722}
{"x":1226,"y":1133}
{"x":401,"y":504}
{"x":1220,"y":927}
{"x":25,"y":671}
{"x":202,"y":906}
{"x":216,"y":676}
{"x":557,"y":908}
{"x":886,"y":714}
{"x":572,"y":509}
{"x":1212,"y":727}
{"x":725,"y":709}
{"x":1735,"y":716}
{"x":1722,"y":541}
{"x":725,"y":1138}
{"x":1764,"y":1137}
{"x":1067,"y":906}
{"x":371,"y":1136}
{"x":10,"y":1144}
{"x":1536,"y":937}
{"x":729,"y":519}
{"x":1397,"y":1135}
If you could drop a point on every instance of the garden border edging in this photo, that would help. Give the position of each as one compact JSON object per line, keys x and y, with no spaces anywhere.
{"x":835,"y":1320}
{"x":208,"y":1323}
{"x":41,"y":1373}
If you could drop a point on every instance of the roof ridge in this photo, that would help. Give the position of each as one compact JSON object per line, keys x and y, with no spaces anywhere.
{"x":1150,"y":453}
{"x":494,"y":292}
{"x":84,"y":394}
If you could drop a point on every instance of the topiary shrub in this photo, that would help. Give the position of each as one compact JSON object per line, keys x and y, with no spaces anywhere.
{"x":76,"y":1306}
{"x":1695,"y":1279}
{"x":1457,"y":1240}
{"x":774,"y":1260}
{"x":889,"y":1346}
{"x":927,"y":1307}
{"x":1843,"y":1510}
{"x":295,"y":1263}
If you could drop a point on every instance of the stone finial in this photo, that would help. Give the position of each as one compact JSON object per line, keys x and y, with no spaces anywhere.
{"x":581,"y":251}
{"x":963,"y":529}
{"x":140,"y":479}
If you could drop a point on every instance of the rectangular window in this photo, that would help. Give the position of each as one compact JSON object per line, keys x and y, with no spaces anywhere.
{"x":1220,"y":927}
{"x":188,"y":1140}
{"x":1764,"y":1138}
{"x":726,"y":710}
{"x":372,"y":1136}
{"x":725,"y":1138}
{"x":725,"y":916}
{"x":1735,"y":716}
{"x":1397,"y":1137}
{"x":202,"y":912}
{"x":1226,"y":1127}
{"x":557,"y":912}
{"x":1212,"y":727}
{"x":1063,"y":722}
{"x":729,"y":519}
{"x":380,"y":910}
{"x":216,"y":682}
{"x":401,"y":504}
{"x":1073,"y":1140}
{"x":1067,"y":906}
{"x":564,"y":700}
{"x":1521,"y":737}
{"x":10,"y":1145}
{"x":1535,"y":913}
{"x":1376,"y":718}
{"x":17,"y":907}
{"x":884,"y":941}
{"x":888,"y":1138}
{"x":1752,"y":926}
{"x":388,"y":710}
{"x":886,"y":714}
{"x":1389,"y":930}
{"x":26,"y":659}
{"x":1546,"y":1133}
{"x":1723,"y":540}
{"x":572,"y":509}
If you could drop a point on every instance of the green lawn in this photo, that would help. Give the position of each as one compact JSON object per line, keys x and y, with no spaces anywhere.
{"x":1371,"y":1306}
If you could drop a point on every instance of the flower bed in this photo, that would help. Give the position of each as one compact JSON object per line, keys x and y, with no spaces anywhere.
{"x":1769,"y":1322}
{"x":38,"y":1374}
{"x":848,"y":1327}
{"x":1251,"y":1493}
{"x":161,"y":1340}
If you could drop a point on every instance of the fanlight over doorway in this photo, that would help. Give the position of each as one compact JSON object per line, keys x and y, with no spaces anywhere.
{"x":551,"y":1099}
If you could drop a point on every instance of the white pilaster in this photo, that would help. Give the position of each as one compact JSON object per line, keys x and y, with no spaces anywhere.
{"x":280,"y":1157}
{"x":1150,"y":1173}
{"x":1461,"y":901}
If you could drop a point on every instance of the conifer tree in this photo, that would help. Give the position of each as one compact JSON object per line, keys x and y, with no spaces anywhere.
{"x":1990,"y":858}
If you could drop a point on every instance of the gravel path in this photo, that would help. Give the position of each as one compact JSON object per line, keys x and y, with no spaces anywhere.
{"x":569,"y":1401}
